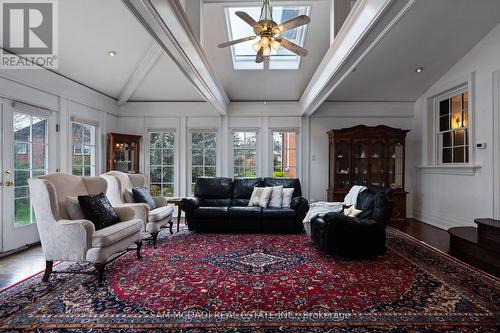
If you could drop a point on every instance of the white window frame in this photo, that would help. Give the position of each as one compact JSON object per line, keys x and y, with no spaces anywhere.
{"x":190,"y":154}
{"x":438,"y":139}
{"x":430,"y":147}
{"x":297,"y":149}
{"x":147,"y":153}
{"x":257,"y":150}
{"x":95,"y":158}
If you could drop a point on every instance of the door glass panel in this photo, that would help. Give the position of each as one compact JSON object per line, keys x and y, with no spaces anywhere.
{"x":30,"y":160}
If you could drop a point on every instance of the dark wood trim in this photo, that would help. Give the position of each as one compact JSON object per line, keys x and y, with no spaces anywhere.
{"x":138,"y":250}
{"x":100,"y":269}
{"x":48,"y":270}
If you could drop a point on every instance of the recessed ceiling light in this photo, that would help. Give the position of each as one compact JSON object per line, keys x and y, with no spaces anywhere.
{"x":419,"y":70}
{"x":111,"y":53}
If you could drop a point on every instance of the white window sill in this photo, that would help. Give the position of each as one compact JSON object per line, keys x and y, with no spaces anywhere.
{"x":449,"y":169}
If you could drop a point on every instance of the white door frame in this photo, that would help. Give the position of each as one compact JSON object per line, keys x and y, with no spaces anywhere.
{"x":496,"y":144}
{"x":17,"y":236}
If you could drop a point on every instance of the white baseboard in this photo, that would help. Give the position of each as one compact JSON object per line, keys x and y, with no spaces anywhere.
{"x":439,"y":220}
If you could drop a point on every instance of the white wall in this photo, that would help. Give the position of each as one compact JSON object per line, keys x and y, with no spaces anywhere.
{"x":445,"y":199}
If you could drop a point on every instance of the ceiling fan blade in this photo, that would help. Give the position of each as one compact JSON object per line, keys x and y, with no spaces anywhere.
{"x":294,"y":23}
{"x":237,"y":41}
{"x":299,"y":50}
{"x":247,"y":18}
{"x":260,"y":56}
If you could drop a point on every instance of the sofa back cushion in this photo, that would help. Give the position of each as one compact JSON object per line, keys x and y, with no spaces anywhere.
{"x":242,"y":190}
{"x":381,"y":209}
{"x":214,"y":191}
{"x":286,"y":183}
{"x":366,"y":200}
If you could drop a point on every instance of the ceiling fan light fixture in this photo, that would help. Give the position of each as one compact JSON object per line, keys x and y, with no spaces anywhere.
{"x":267,"y":52}
{"x":275,"y":45}
{"x":264,"y":41}
{"x":256,"y":46}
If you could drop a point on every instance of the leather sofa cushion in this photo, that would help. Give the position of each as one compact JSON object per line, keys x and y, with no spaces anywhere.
{"x":210,"y":212}
{"x":217,"y":202}
{"x":160,"y":213}
{"x":214,"y":188}
{"x":115,"y":232}
{"x":279,"y":213}
{"x":254,"y":212}
{"x":365,"y":203}
{"x":242,"y":190}
{"x":381,"y":209}
{"x":286,"y":183}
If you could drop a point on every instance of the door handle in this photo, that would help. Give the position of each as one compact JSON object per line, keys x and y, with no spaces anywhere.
{"x":8,"y":172}
{"x":9,"y":183}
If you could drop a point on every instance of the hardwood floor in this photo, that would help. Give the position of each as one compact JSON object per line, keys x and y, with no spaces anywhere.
{"x":19,"y":266}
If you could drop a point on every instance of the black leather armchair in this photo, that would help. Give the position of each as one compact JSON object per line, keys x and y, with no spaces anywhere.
{"x":221,"y":204}
{"x":355,"y":237}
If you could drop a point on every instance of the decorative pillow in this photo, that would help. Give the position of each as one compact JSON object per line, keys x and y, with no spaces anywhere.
{"x":276,"y":197}
{"x":255,"y":198}
{"x":142,"y":195}
{"x":352,"y":212}
{"x":128,"y":196}
{"x":98,"y":210}
{"x":266,"y":195}
{"x":74,"y":210}
{"x":287,"y":197}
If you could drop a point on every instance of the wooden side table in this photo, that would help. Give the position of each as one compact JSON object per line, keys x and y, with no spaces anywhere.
{"x":177,"y":202}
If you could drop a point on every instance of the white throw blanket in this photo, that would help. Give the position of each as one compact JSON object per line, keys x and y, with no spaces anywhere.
{"x":320,"y":208}
{"x":351,"y":197}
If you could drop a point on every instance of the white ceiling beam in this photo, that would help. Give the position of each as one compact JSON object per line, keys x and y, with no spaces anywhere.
{"x":168,"y":24}
{"x":152,"y":55}
{"x":348,"y":49}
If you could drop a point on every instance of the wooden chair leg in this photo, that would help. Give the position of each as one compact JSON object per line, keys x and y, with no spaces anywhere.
{"x":100,"y":267}
{"x":154,"y":236}
{"x":48,"y":270}
{"x":139,"y":245}
{"x":171,"y":224}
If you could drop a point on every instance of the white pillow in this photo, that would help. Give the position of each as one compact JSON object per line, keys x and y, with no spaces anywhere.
{"x":276,"y":197}
{"x":74,"y":210}
{"x":266,"y":195}
{"x":287,"y":197}
{"x":352,"y":212}
{"x":255,"y":198}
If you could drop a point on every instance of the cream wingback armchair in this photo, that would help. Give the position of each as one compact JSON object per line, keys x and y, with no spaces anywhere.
{"x":64,"y":239}
{"x":119,"y":193}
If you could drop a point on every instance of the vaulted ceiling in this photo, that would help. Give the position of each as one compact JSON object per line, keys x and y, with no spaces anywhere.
{"x":380,"y":66}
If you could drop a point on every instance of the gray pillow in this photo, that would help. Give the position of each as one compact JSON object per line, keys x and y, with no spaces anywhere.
{"x":142,"y":195}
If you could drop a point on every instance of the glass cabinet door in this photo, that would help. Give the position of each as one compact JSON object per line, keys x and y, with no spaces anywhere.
{"x":360,"y":162}
{"x":378,"y":163}
{"x":124,"y":157}
{"x":343,"y":164}
{"x":396,"y":165}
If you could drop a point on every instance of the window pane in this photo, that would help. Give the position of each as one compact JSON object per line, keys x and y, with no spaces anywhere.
{"x":210,"y":157}
{"x":38,"y":157}
{"x":210,"y":140}
{"x":197,"y":157}
{"x":77,"y":133}
{"x":155,"y":174}
{"x":444,"y":107}
{"x":444,"y":123}
{"x":447,"y":155}
{"x":210,"y":171}
{"x":39,"y":130}
{"x":22,"y":155}
{"x":466,"y":154}
{"x":21,"y":192}
{"x":197,"y":140}
{"x":447,"y":139}
{"x":168,"y":174}
{"x":155,"y":140}
{"x":168,"y":190}
{"x":459,"y":138}
{"x":456,"y":104}
{"x":155,"y":189}
{"x":161,"y":163}
{"x":22,"y":211}
{"x":22,"y":127}
{"x":155,"y":157}
{"x":77,"y":170}
{"x":168,"y":140}
{"x":459,"y":155}
{"x":83,"y":158}
{"x":168,"y":157}
{"x":197,"y":172}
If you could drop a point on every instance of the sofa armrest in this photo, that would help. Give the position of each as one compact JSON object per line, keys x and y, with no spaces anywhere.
{"x":69,"y":240}
{"x":190,"y":204}
{"x":340,"y":220}
{"x":125,"y":213}
{"x":160,"y":201}
{"x":141,"y":211}
{"x":301,"y":206}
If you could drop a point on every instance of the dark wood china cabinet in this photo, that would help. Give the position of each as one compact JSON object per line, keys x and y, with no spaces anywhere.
{"x":369,"y":156}
{"x":123,"y":152}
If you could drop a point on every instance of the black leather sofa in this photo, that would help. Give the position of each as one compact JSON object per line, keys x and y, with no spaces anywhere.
{"x":221,"y":205}
{"x":355,"y":237}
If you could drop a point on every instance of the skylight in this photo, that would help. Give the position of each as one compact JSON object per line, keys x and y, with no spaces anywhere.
{"x":244,"y":55}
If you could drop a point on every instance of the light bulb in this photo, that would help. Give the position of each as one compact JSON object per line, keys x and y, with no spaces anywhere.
{"x":275,"y":45}
{"x":256,"y":46}
{"x":264,"y":41}
{"x":267,"y":52}
{"x":276,"y":30}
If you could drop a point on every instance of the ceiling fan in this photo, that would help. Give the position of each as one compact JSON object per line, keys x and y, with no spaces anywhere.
{"x":269,"y":33}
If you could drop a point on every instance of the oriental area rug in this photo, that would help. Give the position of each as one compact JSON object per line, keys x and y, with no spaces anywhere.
{"x":260,"y":283}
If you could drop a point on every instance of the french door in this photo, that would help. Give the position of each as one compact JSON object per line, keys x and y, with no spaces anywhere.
{"x":26,"y":152}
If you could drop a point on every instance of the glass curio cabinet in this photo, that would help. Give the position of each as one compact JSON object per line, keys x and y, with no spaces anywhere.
{"x":369,"y":156}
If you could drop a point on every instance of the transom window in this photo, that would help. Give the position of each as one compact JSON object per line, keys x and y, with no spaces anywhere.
{"x":161,"y":160}
{"x":245,"y":154}
{"x":203,"y":155}
{"x":453,"y":133}
{"x":243,"y":54}
{"x":83,"y":158}
{"x":285,"y":154}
